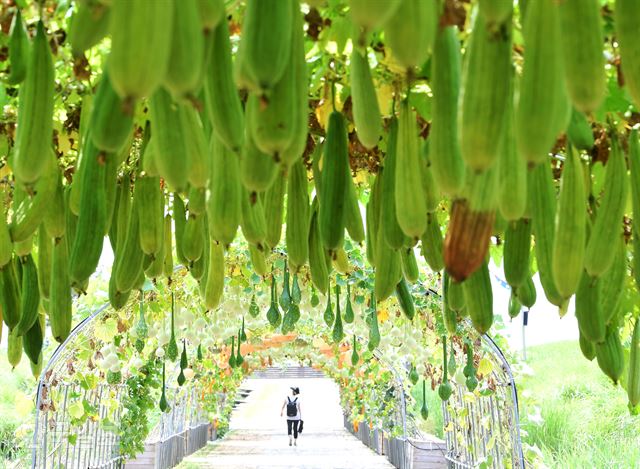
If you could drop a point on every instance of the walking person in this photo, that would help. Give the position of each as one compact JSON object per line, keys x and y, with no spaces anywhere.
{"x":294,"y":414}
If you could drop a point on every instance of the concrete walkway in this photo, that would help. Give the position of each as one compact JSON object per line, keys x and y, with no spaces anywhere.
{"x":258,"y":437}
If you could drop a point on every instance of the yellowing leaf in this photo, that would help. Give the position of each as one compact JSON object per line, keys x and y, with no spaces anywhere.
{"x":392,"y":64}
{"x":106,"y":330}
{"x":384,"y":93}
{"x":491,"y":443}
{"x":323,"y":111}
{"x":485,"y":367}
{"x":64,"y":143}
{"x":469,"y":397}
{"x":76,"y":410}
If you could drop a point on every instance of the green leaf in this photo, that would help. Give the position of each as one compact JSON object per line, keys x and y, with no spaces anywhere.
{"x":421,"y":101}
{"x":76,"y":410}
{"x":106,"y":330}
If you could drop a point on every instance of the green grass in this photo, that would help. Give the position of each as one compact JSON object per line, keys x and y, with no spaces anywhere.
{"x":585,"y":420}
{"x":15,"y":385}
{"x":433,"y":425}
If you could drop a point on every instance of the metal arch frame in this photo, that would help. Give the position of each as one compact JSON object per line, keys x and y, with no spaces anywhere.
{"x":514,"y":392}
{"x":376,"y":353}
{"x":487,"y":340}
{"x":506,"y":368}
{"x":54,"y":357}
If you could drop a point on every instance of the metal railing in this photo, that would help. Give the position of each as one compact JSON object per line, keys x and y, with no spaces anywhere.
{"x":379,"y":439}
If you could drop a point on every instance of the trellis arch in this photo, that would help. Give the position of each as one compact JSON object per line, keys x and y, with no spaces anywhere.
{"x":89,"y":437}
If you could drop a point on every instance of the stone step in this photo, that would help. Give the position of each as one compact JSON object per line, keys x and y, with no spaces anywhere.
{"x":288,"y":373}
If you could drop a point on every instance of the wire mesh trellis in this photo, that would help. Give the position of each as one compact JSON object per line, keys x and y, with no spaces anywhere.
{"x":485,"y":430}
{"x":77,"y":425}
{"x":396,"y":425}
{"x":181,"y":431}
{"x":63,"y":443}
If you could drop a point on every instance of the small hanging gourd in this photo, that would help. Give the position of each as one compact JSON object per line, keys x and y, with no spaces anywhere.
{"x":296,"y":294}
{"x":199,"y":354}
{"x":374,"y":332}
{"x":232,"y":356}
{"x":184,"y":362}
{"x":348,"y":309}
{"x":445,"y":390}
{"x":424,"y":412}
{"x":290,"y":318}
{"x":354,"y":352}
{"x":405,"y":299}
{"x":452,"y":365}
{"x":413,"y":375}
{"x":239,"y":359}
{"x":328,"y":312}
{"x":141,"y":328}
{"x":163,"y":404}
{"x":254,"y":310}
{"x":243,"y":335}
{"x":285,"y":296}
{"x":172,"y":346}
{"x":273,"y":315}
{"x":338,"y":333}
{"x":469,"y":370}
{"x":315,"y":301}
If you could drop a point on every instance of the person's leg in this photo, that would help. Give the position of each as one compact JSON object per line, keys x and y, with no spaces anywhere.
{"x":295,"y":431}
{"x":289,"y":425}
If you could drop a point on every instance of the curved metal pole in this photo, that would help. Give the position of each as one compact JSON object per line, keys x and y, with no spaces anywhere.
{"x":514,"y":392}
{"x":507,"y":368}
{"x":74,"y":332}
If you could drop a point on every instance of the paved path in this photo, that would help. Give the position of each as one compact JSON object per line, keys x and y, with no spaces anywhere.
{"x":258,"y":439}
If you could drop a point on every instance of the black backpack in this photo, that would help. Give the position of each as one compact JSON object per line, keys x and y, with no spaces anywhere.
{"x":292,"y":407}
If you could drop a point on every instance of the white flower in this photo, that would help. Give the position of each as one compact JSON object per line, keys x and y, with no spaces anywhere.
{"x":160,"y":352}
